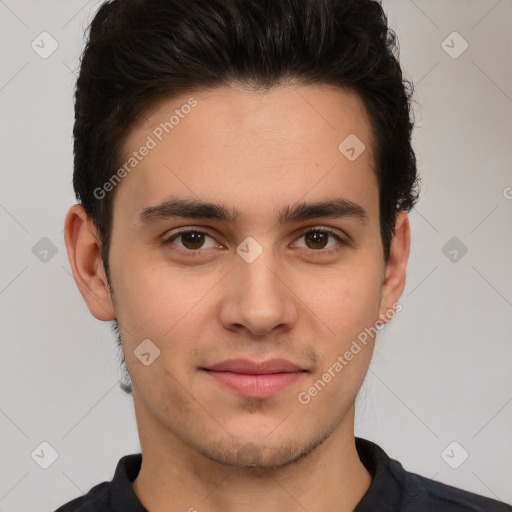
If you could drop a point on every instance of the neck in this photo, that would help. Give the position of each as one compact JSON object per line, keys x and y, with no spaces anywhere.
{"x":173,"y":477}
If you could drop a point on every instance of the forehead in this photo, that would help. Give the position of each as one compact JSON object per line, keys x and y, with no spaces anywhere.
{"x":284,"y":145}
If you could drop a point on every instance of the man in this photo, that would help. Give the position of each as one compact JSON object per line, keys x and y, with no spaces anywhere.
{"x":244,"y":170}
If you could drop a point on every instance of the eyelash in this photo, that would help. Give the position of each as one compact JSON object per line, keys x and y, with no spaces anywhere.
{"x":199,"y":252}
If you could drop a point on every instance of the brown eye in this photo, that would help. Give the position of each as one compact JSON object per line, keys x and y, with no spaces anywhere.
{"x":318,"y":239}
{"x":191,"y":241}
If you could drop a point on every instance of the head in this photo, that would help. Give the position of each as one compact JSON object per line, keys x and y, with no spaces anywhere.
{"x":269,"y":116}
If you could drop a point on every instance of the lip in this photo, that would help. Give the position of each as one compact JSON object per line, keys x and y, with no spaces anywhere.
{"x":255,"y":379}
{"x":254,"y":368}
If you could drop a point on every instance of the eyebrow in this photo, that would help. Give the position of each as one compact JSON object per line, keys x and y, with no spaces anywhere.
{"x":197,"y":209}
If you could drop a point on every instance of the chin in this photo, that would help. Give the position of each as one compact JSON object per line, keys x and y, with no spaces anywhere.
{"x":260,"y":458}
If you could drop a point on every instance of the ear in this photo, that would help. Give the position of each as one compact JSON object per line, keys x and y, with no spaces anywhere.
{"x":82,"y":244}
{"x":395,"y":272}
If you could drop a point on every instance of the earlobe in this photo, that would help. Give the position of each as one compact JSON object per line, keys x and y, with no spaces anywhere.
{"x":82,"y":244}
{"x":395,"y":275}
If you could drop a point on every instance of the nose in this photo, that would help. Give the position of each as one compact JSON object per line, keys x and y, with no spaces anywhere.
{"x":258,"y":297}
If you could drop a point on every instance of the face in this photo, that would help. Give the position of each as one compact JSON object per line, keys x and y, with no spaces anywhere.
{"x":260,"y":277}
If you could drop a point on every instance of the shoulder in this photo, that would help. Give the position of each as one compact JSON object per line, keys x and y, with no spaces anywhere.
{"x":395,"y":489}
{"x":96,"y":500}
{"x":433,"y":495}
{"x":114,"y":495}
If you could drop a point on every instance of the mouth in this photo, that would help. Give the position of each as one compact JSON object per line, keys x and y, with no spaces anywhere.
{"x":255,"y":379}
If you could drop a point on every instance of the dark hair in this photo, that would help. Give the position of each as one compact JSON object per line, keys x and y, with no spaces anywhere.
{"x":140,"y":52}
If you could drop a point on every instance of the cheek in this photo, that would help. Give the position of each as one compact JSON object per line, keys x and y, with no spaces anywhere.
{"x":162,"y":304}
{"x":148,"y":295}
{"x":349,"y":307}
{"x":346,"y":300}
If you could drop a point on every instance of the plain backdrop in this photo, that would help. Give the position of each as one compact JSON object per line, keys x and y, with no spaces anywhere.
{"x":439,"y":388}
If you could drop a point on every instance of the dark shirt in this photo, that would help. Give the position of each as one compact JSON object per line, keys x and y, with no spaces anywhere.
{"x":393,"y":489}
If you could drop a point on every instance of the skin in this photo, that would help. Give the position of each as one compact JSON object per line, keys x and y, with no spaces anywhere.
{"x":204,"y":446}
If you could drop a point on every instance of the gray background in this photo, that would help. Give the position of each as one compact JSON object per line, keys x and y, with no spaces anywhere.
{"x":442,"y":369}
